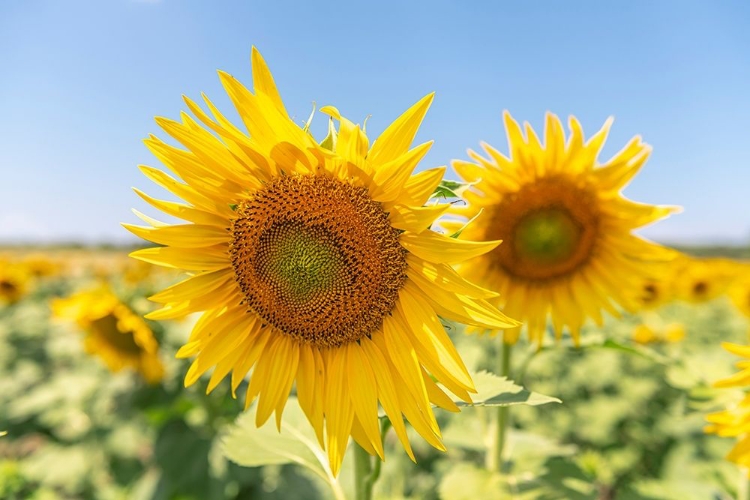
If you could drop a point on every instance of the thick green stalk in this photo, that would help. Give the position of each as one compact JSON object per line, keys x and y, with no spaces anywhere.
{"x":365,"y":474}
{"x":362,"y":473}
{"x":502,"y":413}
{"x":743,"y":487}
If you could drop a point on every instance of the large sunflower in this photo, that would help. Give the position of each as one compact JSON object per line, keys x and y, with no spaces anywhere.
{"x":569,"y":251}
{"x":113,"y":332}
{"x":314,"y":263}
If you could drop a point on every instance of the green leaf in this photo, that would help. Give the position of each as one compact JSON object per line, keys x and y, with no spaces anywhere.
{"x":499,"y":391}
{"x":467,"y":482}
{"x":250,"y":446}
{"x":636,"y":351}
{"x":451,"y":189}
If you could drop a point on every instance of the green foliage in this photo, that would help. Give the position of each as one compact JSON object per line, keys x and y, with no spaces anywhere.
{"x":499,"y":391}
{"x":250,"y":446}
{"x":629,"y":426}
{"x":451,"y":189}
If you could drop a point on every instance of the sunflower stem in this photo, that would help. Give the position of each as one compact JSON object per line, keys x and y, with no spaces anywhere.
{"x":503,"y":416}
{"x":743,"y":487}
{"x":362,"y":474}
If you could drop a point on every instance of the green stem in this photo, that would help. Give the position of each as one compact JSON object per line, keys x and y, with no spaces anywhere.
{"x":365,"y":474}
{"x":362,"y":473}
{"x":503,"y":416}
{"x":375,"y":474}
{"x":743,"y":487}
{"x":520,"y":375}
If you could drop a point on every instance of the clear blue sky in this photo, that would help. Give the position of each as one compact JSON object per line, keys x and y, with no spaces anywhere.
{"x":80,"y":82}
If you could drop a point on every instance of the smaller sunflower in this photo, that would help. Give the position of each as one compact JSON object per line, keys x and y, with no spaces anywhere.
{"x":40,"y":265}
{"x":653,"y":292}
{"x":113,"y":332}
{"x":14,"y":282}
{"x":733,"y":422}
{"x":699,"y":280}
{"x":569,"y":250}
{"x":671,"y":333}
{"x":742,"y":378}
{"x":739,"y":291}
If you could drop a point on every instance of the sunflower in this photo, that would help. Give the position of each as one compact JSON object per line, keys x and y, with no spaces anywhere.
{"x":569,"y":251}
{"x":314,"y":263}
{"x":735,"y":420}
{"x":670,"y":333}
{"x":14,"y":282}
{"x":40,"y":265}
{"x":739,"y":290}
{"x":653,"y":292}
{"x":700,"y":280}
{"x":113,"y":332}
{"x":742,"y":378}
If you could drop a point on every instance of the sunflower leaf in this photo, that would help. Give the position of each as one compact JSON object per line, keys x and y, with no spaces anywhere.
{"x":500,"y":391}
{"x":250,"y":446}
{"x":467,"y":482}
{"x":451,"y":189}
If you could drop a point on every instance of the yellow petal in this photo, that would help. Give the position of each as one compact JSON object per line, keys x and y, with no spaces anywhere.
{"x":389,"y":178}
{"x":477,"y":312}
{"x":437,"y":396}
{"x":445,"y":277}
{"x":256,"y":343}
{"x":338,"y":408}
{"x":415,"y":219}
{"x":203,"y":259}
{"x":440,"y":249}
{"x":263,"y":80}
{"x":429,"y":332}
{"x":193,"y":286}
{"x":308,"y":393}
{"x":387,"y":392}
{"x":738,"y":349}
{"x":419,"y":187}
{"x":397,"y":138}
{"x":364,"y":395}
{"x":182,"y":235}
{"x":184,"y":212}
{"x":185,"y":192}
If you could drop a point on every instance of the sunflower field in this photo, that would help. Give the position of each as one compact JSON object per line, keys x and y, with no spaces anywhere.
{"x":622,"y":415}
{"x":331,"y":316}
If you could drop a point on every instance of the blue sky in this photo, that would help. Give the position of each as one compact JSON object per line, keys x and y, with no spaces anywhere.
{"x":80,"y":83}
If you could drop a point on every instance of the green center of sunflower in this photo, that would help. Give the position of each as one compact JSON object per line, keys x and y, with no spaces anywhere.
{"x":550,"y":228}
{"x":547,"y":236}
{"x":123,"y":342}
{"x":317,"y":258}
{"x":301,"y":263}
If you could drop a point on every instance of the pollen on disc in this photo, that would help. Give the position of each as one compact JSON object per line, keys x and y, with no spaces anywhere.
{"x":317,"y":258}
